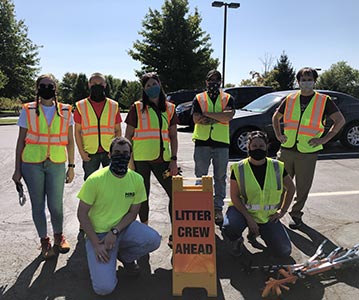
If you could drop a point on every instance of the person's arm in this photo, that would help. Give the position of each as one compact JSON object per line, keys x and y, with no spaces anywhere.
{"x":224,"y":116}
{"x":338,"y":123}
{"x":288,"y":194}
{"x":20,"y":145}
{"x":277,"y":116}
{"x":197,"y":115}
{"x":118,"y":130}
{"x":172,"y":133}
{"x":79,"y":143}
{"x":130,"y":131}
{"x":252,"y":224}
{"x":70,"y":147}
{"x":86,"y":225}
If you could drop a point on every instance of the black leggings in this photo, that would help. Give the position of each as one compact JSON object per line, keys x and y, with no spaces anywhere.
{"x":144,"y":168}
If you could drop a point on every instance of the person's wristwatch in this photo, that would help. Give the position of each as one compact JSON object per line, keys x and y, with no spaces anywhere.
{"x":71,"y":165}
{"x":115,"y":231}
{"x":174,"y":157}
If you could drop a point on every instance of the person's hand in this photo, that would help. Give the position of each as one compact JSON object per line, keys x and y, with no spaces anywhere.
{"x":85,"y":156}
{"x":101,"y":252}
{"x":173,"y":168}
{"x":16,"y":177}
{"x":277,"y":215}
{"x":316,"y":142}
{"x":110,"y":241}
{"x":70,"y":174}
{"x":253,"y":227}
{"x":282,"y":138}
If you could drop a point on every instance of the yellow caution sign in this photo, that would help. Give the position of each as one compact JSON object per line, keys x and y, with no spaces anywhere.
{"x":194,"y":248}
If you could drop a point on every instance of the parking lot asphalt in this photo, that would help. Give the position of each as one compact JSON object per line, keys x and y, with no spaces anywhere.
{"x":332,"y":213}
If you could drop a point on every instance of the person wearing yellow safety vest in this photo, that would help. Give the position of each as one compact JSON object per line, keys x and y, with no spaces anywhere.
{"x":304,"y":114}
{"x":44,"y":144}
{"x":152,"y":128}
{"x":212,"y":110}
{"x":256,"y":186}
{"x":97,"y":122}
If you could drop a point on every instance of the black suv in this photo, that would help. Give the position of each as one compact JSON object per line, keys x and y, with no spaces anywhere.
{"x":242,"y":96}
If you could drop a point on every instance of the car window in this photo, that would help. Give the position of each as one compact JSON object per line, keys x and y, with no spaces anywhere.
{"x":263,"y":103}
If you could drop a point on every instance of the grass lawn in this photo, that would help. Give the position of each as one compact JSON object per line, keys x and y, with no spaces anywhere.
{"x":7,"y":121}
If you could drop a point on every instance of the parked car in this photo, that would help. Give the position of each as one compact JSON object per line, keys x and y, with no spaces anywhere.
{"x":258,"y":116}
{"x":242,"y":95}
{"x":182,"y":96}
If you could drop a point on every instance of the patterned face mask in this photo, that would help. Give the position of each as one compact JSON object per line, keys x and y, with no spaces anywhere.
{"x":119,"y":164}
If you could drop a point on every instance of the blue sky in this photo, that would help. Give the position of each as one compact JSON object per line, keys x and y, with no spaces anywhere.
{"x":94,"y":36}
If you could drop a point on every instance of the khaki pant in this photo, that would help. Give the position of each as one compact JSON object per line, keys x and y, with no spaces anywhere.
{"x":302,"y":167}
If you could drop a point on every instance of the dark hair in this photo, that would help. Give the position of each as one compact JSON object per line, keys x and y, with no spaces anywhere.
{"x":307,"y":71}
{"x":214,"y":73}
{"x":120,"y":140}
{"x":162,"y":96}
{"x":38,"y":80}
{"x":257,"y":134}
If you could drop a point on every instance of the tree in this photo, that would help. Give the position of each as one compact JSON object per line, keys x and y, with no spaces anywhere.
{"x":81,"y":89}
{"x":175,"y":46}
{"x":285,"y":75}
{"x":67,"y":87}
{"x":3,"y":80}
{"x":18,"y":55}
{"x":340,"y":77}
{"x":113,"y":87}
{"x":131,"y":93}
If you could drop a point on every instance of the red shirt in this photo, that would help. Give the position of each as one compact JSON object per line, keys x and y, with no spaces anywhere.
{"x":98,"y":107}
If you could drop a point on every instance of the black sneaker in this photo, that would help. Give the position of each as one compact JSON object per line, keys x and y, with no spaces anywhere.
{"x":131,"y":268}
{"x":218,"y":217}
{"x":253,"y":241}
{"x":296,"y":223}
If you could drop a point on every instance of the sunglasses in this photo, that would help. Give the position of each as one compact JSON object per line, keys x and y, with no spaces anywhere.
{"x":44,"y":86}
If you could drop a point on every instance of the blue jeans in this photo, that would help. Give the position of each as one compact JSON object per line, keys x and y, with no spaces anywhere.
{"x":219,"y":156}
{"x":45,"y":182}
{"x":135,"y":241}
{"x":272,"y":233}
{"x":94,"y":164}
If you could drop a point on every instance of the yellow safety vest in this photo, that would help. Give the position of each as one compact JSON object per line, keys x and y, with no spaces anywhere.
{"x":298,"y":128}
{"x":95,"y":130}
{"x":45,"y":141}
{"x":219,"y":131}
{"x":261,"y":204}
{"x":148,"y":134}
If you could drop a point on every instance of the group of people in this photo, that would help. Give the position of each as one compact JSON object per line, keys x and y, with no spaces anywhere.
{"x":261,"y":188}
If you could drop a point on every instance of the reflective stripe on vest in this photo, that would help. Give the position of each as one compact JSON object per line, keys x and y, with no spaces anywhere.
{"x":260,"y":203}
{"x":218,"y":131}
{"x":148,"y":134}
{"x":46,"y":141}
{"x":298,"y":128}
{"x":90,"y":125}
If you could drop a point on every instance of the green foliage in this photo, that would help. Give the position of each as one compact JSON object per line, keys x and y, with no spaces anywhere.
{"x":81,"y":89}
{"x":113,"y":87}
{"x":340,"y":77}
{"x":10,"y":104}
{"x":18,"y":55}
{"x":131,"y":93}
{"x":3,"y":80}
{"x":175,"y":46}
{"x":248,"y":82}
{"x":284,"y":74}
{"x":67,"y":87}
{"x":229,"y":85}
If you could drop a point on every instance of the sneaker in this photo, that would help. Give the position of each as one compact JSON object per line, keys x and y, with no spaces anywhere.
{"x":235,"y":247}
{"x":218,"y":217}
{"x":296,"y":223}
{"x":47,"y":251}
{"x":61,"y":243}
{"x":253,"y":241}
{"x":131,"y":268}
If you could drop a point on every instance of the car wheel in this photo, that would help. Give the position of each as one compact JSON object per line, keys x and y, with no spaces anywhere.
{"x":239,"y":141}
{"x":350,"y":135}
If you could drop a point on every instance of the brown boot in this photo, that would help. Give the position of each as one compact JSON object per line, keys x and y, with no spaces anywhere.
{"x":61,"y":243}
{"x":47,"y":251}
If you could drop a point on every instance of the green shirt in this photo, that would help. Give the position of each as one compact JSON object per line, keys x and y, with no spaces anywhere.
{"x":111,"y":197}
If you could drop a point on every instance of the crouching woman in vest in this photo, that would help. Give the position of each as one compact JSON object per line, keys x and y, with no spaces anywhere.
{"x":256,"y":186}
{"x":44,"y":144}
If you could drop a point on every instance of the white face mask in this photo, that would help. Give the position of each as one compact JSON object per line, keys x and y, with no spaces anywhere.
{"x":306,"y":86}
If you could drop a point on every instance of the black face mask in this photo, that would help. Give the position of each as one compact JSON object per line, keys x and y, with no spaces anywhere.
{"x":97,"y":93}
{"x":213,"y":89}
{"x":119,"y":164}
{"x":46,"y":92}
{"x":257,"y":154}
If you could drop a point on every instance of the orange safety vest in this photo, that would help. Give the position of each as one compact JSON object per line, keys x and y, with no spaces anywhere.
{"x":301,"y":128}
{"x":96,"y":130}
{"x":45,"y":141}
{"x":148,"y":134}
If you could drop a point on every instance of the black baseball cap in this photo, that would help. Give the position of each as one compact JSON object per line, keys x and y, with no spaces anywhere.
{"x":214,"y":75}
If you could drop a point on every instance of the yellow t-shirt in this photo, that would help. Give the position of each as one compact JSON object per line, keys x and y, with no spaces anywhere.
{"x":111,"y":197}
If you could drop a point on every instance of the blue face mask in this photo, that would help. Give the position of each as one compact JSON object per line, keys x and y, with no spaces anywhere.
{"x":153,"y":91}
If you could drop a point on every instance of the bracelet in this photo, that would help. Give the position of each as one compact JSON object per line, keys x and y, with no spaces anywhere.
{"x":174,"y":157}
{"x":71,"y":165}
